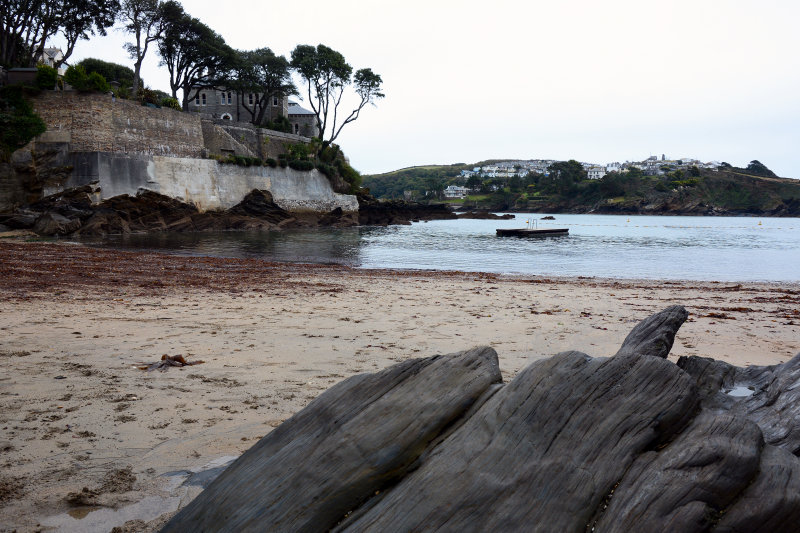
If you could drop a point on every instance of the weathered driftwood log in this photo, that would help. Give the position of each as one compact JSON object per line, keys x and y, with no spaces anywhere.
{"x":574,"y":443}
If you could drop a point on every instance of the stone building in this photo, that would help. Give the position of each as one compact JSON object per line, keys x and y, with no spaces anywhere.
{"x":230,"y":105}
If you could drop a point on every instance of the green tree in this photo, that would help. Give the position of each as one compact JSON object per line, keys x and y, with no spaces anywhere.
{"x":110,"y":71}
{"x":27,"y":25}
{"x":18,"y":122}
{"x":474,"y":182}
{"x":145,"y":21}
{"x":196,"y":56}
{"x":80,"y":80}
{"x":46,"y":77}
{"x":756,"y":168}
{"x":260,"y":74}
{"x":327,"y":74}
{"x":564,"y":177}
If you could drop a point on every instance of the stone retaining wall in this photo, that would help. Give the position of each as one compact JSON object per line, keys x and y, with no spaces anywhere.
{"x":98,"y":123}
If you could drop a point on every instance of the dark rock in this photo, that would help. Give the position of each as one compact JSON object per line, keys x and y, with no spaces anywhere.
{"x":320,"y":464}
{"x":380,"y":213}
{"x":259,"y":204}
{"x":4,"y":228}
{"x":54,"y":224}
{"x":21,"y":219}
{"x":574,"y":443}
{"x":690,"y":481}
{"x":549,"y":217}
{"x":484,"y":215}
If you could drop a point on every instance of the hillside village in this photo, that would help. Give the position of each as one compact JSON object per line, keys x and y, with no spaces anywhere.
{"x":652,"y":166}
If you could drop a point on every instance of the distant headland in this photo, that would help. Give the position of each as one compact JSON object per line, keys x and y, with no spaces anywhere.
{"x":655,"y":186}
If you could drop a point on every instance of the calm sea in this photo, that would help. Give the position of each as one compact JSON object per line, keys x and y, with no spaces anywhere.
{"x":649,"y":247}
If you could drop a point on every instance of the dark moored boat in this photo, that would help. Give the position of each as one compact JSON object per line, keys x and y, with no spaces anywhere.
{"x":532,"y":232}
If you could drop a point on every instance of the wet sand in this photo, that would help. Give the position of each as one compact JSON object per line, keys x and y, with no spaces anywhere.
{"x":76,"y":324}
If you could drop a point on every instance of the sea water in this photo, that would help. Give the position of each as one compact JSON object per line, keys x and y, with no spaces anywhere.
{"x":613,"y":246}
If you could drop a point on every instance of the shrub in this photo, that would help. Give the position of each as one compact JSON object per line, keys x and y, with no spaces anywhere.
{"x":149,"y":96}
{"x":301,"y":164}
{"x":123,"y":91}
{"x":171,"y":103}
{"x":279,"y":124}
{"x":18,"y":122}
{"x":240,"y":160}
{"x":297,"y":151}
{"x":271,"y":162}
{"x":283,"y":163}
{"x":46,"y":77}
{"x":98,"y":83}
{"x":76,"y":76}
{"x":691,"y":182}
{"x":349,"y":174}
{"x":110,"y":71}
{"x":328,"y":170}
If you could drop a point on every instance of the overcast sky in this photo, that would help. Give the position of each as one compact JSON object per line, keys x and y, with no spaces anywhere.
{"x":596,"y":81}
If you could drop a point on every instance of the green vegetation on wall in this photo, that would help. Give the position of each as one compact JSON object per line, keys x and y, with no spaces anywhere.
{"x":18,"y":122}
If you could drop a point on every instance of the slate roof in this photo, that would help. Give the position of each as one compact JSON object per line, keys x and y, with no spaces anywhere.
{"x":295,"y":109}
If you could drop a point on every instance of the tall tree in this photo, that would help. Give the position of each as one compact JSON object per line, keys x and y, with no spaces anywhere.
{"x":143,"y":19}
{"x":327,"y":75}
{"x":260,"y":74}
{"x":565,"y":176}
{"x":196,"y":57}
{"x":110,"y":71}
{"x":27,"y":25}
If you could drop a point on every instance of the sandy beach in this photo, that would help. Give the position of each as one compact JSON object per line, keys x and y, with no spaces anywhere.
{"x":91,"y":441}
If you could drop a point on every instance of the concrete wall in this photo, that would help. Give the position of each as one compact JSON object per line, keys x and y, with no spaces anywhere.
{"x":203,"y":182}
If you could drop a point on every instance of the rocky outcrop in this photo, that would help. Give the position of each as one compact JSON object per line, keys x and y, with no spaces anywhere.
{"x":73,"y":213}
{"x":485,"y":215}
{"x":631,"y":442}
{"x":373,"y":212}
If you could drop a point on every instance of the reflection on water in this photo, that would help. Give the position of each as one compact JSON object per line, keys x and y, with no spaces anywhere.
{"x":298,"y":246}
{"x":698,"y":248}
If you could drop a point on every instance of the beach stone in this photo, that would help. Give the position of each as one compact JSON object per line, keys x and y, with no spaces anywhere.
{"x":22,"y":219}
{"x":54,"y":224}
{"x":631,"y":442}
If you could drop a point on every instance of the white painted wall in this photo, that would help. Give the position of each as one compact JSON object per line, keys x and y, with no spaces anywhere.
{"x":204,"y":182}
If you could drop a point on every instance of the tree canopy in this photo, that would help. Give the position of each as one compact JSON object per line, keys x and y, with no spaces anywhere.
{"x":110,"y":71}
{"x":262,"y":74}
{"x":27,"y":25}
{"x":327,"y":74}
{"x":145,"y":21}
{"x":196,"y":56}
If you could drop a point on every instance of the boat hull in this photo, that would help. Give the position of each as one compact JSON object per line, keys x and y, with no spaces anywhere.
{"x":525,"y":232}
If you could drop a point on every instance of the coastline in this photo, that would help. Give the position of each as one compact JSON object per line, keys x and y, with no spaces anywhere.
{"x":76,"y":321}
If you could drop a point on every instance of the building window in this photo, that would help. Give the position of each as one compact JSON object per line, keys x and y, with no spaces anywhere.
{"x":197,"y":100}
{"x":250,"y":98}
{"x":296,"y":128}
{"x":227,"y":116}
{"x":275,"y":100}
{"x":203,"y":98}
{"x":229,"y":98}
